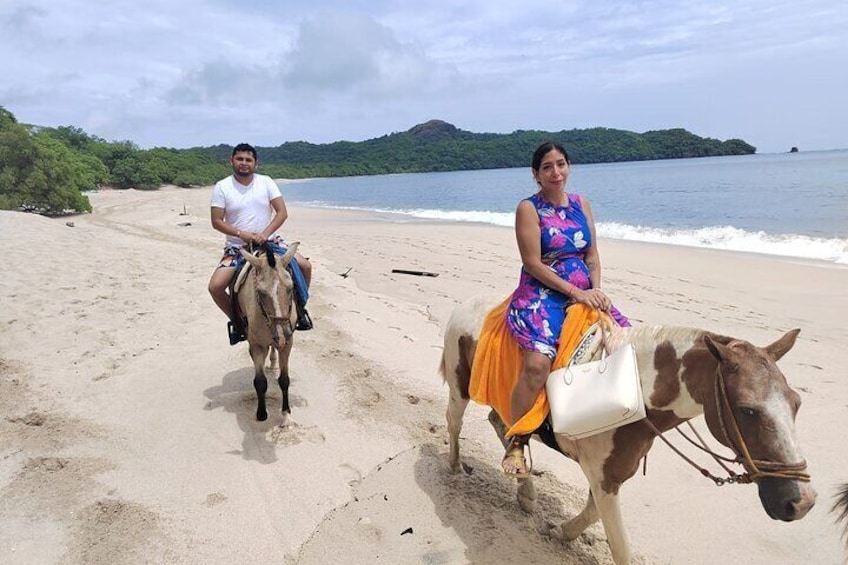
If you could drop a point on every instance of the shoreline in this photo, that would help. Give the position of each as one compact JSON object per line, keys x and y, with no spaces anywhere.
{"x":402,"y":218}
{"x":800,"y":240}
{"x":129,"y":429}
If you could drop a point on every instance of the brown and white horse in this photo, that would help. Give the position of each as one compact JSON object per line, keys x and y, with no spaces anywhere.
{"x":266,"y":297}
{"x":685,"y":372}
{"x":840,"y":507}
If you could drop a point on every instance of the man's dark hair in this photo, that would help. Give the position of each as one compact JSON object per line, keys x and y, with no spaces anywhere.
{"x":245,"y":148}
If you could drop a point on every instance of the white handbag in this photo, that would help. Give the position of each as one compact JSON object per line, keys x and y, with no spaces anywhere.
{"x":590,"y":398}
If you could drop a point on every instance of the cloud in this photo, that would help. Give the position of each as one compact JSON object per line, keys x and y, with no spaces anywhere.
{"x":334,"y":64}
{"x":189,"y":72}
{"x":20,"y":16}
{"x":338,"y":52}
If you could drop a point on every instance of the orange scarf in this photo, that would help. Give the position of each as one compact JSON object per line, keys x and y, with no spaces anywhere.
{"x":498,"y":362}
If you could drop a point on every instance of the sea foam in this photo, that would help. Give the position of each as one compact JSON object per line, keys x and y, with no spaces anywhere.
{"x":727,"y":238}
{"x":730,"y":238}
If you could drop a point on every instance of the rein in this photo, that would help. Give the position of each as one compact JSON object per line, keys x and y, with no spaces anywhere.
{"x":755,"y":469}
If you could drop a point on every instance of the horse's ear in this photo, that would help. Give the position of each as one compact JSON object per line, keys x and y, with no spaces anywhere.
{"x":780,"y":347}
{"x":250,"y":258}
{"x":290,"y":252}
{"x":718,"y":350}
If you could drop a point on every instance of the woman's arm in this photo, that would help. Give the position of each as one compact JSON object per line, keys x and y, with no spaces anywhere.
{"x":592,"y":258}
{"x":529,"y":237}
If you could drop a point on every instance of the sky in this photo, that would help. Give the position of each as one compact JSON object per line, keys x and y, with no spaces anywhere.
{"x":185,"y":73}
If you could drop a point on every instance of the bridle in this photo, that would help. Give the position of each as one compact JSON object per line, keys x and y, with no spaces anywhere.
{"x":276,"y":322}
{"x":755,"y":469}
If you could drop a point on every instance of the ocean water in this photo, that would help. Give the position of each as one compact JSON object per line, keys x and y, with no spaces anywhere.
{"x":793,"y":205}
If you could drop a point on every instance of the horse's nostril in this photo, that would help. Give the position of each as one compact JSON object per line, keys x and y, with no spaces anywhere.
{"x":791,"y":510}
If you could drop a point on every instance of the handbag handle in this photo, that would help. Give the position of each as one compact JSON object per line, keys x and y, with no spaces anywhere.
{"x":604,"y":351}
{"x":602,"y":366}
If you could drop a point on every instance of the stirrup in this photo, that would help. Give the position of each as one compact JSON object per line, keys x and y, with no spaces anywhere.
{"x":236,"y":334}
{"x":304,"y":322}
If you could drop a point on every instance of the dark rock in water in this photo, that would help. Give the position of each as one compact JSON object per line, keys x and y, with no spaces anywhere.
{"x":793,"y":150}
{"x":69,"y":224}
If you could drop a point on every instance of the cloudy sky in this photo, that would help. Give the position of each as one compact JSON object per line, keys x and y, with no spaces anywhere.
{"x":184,"y":73}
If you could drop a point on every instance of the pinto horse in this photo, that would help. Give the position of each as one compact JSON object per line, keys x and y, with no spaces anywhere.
{"x":840,"y":507}
{"x":685,"y":372}
{"x":266,"y":297}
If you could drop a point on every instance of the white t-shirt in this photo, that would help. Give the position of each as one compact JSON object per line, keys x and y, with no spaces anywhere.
{"x":247,"y":208}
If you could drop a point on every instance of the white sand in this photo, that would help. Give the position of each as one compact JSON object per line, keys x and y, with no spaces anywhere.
{"x":128,"y":432}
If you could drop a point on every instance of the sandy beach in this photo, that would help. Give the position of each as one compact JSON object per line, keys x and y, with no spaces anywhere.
{"x":127,"y":429}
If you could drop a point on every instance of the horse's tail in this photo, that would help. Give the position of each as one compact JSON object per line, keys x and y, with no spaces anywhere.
{"x":840,"y":507}
{"x":442,"y":366}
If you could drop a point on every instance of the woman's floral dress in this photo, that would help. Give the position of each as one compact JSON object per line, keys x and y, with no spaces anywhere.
{"x":536,"y":313}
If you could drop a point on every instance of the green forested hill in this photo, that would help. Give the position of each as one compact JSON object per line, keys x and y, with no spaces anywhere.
{"x":440,"y":146}
{"x":48,"y":170}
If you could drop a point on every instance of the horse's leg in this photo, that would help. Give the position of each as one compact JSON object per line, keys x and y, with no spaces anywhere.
{"x":526,"y":489}
{"x":577,"y":525}
{"x":260,"y":382}
{"x":455,"y":411}
{"x":284,"y":380}
{"x":610,"y":510}
{"x":273,"y":360}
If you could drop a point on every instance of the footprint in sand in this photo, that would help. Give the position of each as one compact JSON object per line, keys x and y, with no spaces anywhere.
{"x":350,"y":475}
{"x":293,"y":434}
{"x":49,"y":464}
{"x":214,"y":499}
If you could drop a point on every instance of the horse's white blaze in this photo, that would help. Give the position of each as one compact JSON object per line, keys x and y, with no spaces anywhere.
{"x":780,"y":414}
{"x":275,"y":298}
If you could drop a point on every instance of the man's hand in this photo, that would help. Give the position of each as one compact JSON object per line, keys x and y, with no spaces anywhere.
{"x":251,"y":237}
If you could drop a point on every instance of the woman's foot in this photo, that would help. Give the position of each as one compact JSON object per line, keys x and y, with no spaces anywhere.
{"x":514,"y":465}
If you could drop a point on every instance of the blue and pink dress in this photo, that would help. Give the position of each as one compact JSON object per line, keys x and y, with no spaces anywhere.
{"x":536,"y":313}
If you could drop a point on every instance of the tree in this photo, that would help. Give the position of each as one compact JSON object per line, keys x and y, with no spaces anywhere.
{"x":6,"y":118}
{"x":40,"y":173}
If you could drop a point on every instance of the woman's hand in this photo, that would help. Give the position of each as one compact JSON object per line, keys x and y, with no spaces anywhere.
{"x":594,"y":298}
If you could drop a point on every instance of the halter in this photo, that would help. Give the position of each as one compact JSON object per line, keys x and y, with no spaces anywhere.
{"x":755,"y":469}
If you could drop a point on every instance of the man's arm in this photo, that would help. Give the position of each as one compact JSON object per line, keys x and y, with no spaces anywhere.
{"x":218,"y":223}
{"x":281,"y":214}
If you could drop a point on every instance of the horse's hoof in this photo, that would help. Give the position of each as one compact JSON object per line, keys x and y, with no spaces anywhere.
{"x":286,"y":423}
{"x":527,"y":496}
{"x":568,"y":531}
{"x":261,"y":416}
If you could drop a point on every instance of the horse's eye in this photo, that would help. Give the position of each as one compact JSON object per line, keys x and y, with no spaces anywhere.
{"x":750,"y":412}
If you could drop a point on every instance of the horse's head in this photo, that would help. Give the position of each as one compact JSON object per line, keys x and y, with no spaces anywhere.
{"x":754,"y":415}
{"x":274,"y":292}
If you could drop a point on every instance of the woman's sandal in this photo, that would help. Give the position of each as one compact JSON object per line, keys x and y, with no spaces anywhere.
{"x":515,"y":455}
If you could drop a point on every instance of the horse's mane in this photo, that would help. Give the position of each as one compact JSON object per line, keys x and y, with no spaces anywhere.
{"x":651,"y":335}
{"x":269,"y":253}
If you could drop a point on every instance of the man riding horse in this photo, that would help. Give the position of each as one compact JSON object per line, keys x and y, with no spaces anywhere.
{"x":248,"y":208}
